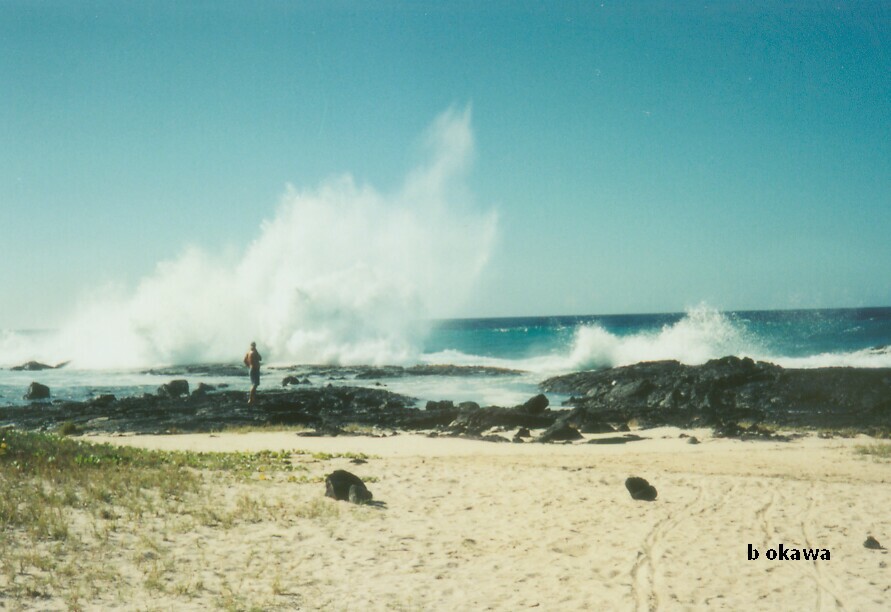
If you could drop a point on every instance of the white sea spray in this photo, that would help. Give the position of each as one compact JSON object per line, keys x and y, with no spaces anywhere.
{"x":342,"y":273}
{"x":702,"y":334}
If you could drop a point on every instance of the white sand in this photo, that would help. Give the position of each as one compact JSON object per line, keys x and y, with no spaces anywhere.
{"x":481,"y":526}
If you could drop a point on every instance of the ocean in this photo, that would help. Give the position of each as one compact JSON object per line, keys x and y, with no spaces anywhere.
{"x":537,"y":347}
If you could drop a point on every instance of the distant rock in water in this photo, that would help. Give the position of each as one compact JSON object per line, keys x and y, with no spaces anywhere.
{"x":294,"y":380}
{"x":35,"y":366}
{"x":36,"y":391}
{"x":200,"y":369}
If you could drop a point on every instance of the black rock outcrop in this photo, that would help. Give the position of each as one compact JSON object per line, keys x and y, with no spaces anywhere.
{"x":561,"y":431}
{"x":737,"y":397}
{"x":729,"y":390}
{"x":175,"y":388}
{"x":37,"y":391}
{"x":326,"y":409}
{"x":533,"y":414}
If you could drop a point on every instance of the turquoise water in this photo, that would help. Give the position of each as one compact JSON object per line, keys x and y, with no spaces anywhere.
{"x":793,"y":338}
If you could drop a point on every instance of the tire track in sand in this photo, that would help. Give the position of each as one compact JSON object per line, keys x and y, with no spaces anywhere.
{"x":827,"y":588}
{"x":763,"y":517}
{"x":643,"y":572}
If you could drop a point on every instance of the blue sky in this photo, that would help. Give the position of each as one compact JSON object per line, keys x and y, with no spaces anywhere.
{"x":640,"y":157}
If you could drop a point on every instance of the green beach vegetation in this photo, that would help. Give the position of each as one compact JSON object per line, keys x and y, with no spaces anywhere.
{"x":66,"y":503}
{"x":877,"y":450}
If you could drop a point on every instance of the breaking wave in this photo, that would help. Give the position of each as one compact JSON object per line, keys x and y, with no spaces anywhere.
{"x":702,"y":334}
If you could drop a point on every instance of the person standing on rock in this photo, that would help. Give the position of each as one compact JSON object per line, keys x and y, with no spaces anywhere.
{"x":252,"y":360}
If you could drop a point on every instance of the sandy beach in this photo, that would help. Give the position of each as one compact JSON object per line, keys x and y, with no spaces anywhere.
{"x":465,"y":525}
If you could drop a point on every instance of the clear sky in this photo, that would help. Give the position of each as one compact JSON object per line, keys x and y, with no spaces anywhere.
{"x":639,"y":156}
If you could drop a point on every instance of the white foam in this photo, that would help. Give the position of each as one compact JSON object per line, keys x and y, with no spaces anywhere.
{"x":342,"y":274}
{"x":867,"y":358}
{"x":702,"y":334}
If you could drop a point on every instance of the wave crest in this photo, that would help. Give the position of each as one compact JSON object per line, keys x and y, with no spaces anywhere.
{"x":702,"y":334}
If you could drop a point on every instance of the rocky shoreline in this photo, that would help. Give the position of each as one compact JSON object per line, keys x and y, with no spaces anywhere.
{"x":736,"y":397}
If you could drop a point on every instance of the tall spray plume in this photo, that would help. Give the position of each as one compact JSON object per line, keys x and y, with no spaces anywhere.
{"x":341,"y":274}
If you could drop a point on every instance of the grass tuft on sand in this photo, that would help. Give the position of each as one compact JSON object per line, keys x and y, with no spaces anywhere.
{"x":877,"y":450}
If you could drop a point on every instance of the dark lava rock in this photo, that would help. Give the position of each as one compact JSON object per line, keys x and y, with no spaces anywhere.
{"x":560,"y":432}
{"x":442,"y":405}
{"x":345,"y":486}
{"x":359,"y":494}
{"x":587,"y":422}
{"x":872,"y":543}
{"x":293,"y":380}
{"x":33,"y":366}
{"x":640,"y":489}
{"x":323,"y":409}
{"x":201,"y":390}
{"x":103,"y":400}
{"x":324,"y":430}
{"x":731,"y":390}
{"x":473,"y":420}
{"x":618,"y":439}
{"x":36,"y":391}
{"x":489,"y":438}
{"x":747,"y":432}
{"x":536,"y":405}
{"x":175,"y":388}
